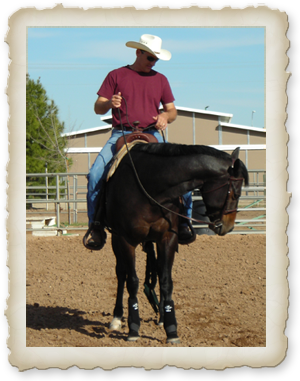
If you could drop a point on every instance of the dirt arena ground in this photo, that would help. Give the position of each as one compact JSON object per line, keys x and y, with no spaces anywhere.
{"x":219,"y":294}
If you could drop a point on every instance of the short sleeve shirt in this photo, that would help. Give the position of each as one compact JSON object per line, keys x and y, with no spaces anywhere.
{"x":143,"y":92}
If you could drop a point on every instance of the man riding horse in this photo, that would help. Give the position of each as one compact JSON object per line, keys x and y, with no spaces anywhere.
{"x":143,"y":89}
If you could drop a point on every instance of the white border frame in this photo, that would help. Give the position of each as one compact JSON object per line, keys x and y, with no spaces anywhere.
{"x":277,"y":262}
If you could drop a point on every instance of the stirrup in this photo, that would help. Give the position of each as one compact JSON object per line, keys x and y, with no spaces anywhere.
{"x":87,"y":242}
{"x":192,"y":238}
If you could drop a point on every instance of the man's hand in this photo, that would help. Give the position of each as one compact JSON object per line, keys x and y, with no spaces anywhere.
{"x":116,"y":100}
{"x":161,"y":121}
{"x":103,"y":105}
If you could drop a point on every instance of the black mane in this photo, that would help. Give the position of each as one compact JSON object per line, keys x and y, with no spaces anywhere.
{"x":172,"y":149}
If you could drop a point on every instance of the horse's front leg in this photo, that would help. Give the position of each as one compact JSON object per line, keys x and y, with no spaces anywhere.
{"x":125,"y":254}
{"x":116,"y":323}
{"x":166,"y":252}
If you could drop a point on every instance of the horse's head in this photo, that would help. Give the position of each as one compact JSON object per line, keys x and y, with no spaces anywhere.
{"x":221,"y":195}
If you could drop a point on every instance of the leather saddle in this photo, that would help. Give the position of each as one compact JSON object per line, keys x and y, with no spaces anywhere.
{"x":121,"y":148}
{"x":135,"y":136}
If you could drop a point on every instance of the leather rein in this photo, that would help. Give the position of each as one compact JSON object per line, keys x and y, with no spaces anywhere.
{"x":217,"y":223}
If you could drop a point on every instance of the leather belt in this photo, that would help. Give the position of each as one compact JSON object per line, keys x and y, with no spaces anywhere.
{"x":118,"y":127}
{"x":124,"y":127}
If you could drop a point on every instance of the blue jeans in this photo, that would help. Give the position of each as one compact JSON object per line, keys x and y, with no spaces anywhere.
{"x":99,"y":170}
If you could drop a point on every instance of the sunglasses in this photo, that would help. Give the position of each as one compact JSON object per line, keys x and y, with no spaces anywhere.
{"x":150,"y":58}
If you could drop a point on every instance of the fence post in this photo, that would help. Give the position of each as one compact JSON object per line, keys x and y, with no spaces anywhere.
{"x":75,"y":198}
{"x":57,"y":203}
{"x":46,"y":171}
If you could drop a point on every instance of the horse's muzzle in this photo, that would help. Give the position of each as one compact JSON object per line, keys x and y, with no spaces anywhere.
{"x":221,"y":230}
{"x":225,"y":225}
{"x":217,"y":227}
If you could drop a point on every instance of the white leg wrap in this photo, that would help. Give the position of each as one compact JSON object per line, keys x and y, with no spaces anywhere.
{"x":116,"y":324}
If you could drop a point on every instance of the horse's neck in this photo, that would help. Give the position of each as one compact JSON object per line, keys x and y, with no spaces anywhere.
{"x":201,"y":167}
{"x":187,"y":173}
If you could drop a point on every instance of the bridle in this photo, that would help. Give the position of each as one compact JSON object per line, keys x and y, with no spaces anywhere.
{"x":217,"y":224}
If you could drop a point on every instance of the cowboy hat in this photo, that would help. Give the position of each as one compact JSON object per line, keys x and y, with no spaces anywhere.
{"x":151,"y":44}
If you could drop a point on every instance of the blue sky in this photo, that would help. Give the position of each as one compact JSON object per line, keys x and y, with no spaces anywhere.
{"x":223,"y":68}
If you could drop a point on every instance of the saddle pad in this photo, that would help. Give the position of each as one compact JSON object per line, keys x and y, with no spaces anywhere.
{"x":119,"y":156}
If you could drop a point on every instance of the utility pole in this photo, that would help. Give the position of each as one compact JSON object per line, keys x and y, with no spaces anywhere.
{"x":252,"y":117}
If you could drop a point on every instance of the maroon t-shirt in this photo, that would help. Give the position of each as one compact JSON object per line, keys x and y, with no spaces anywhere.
{"x":143,"y":92}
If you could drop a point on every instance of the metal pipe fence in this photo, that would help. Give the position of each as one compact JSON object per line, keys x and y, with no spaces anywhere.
{"x":67,"y":195}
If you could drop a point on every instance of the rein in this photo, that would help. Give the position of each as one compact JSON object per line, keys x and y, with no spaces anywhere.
{"x":215,"y":224}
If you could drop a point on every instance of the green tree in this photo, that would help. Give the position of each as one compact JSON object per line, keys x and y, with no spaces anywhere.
{"x":45,"y":144}
{"x":44,"y":140}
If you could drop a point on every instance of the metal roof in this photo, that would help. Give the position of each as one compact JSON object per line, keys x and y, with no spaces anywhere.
{"x":223,"y":116}
{"x":93,"y":129}
{"x":239,"y":126}
{"x":224,"y":120}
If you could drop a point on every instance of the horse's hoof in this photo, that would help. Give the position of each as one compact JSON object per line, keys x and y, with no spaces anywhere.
{"x":133,"y":336}
{"x":115,"y":324}
{"x":173,"y":340}
{"x":161,"y":324}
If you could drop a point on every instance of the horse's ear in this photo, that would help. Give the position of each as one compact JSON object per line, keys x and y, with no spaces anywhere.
{"x":234,"y":156}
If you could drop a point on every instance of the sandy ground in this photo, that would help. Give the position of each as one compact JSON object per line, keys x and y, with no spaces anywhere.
{"x":219,"y":294}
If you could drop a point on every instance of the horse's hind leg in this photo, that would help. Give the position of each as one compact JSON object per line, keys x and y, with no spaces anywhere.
{"x":166,"y":252}
{"x":125,"y":255}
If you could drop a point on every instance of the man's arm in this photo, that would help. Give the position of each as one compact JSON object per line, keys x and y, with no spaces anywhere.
{"x":166,"y":117}
{"x":102,"y":105}
{"x":171,"y":112}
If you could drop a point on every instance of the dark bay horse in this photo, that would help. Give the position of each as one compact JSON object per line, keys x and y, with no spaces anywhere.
{"x":166,"y":171}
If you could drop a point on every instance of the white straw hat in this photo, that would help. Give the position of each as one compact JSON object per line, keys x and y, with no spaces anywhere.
{"x":151,"y":44}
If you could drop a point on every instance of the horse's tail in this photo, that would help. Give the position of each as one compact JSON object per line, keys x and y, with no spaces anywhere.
{"x":151,"y":275}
